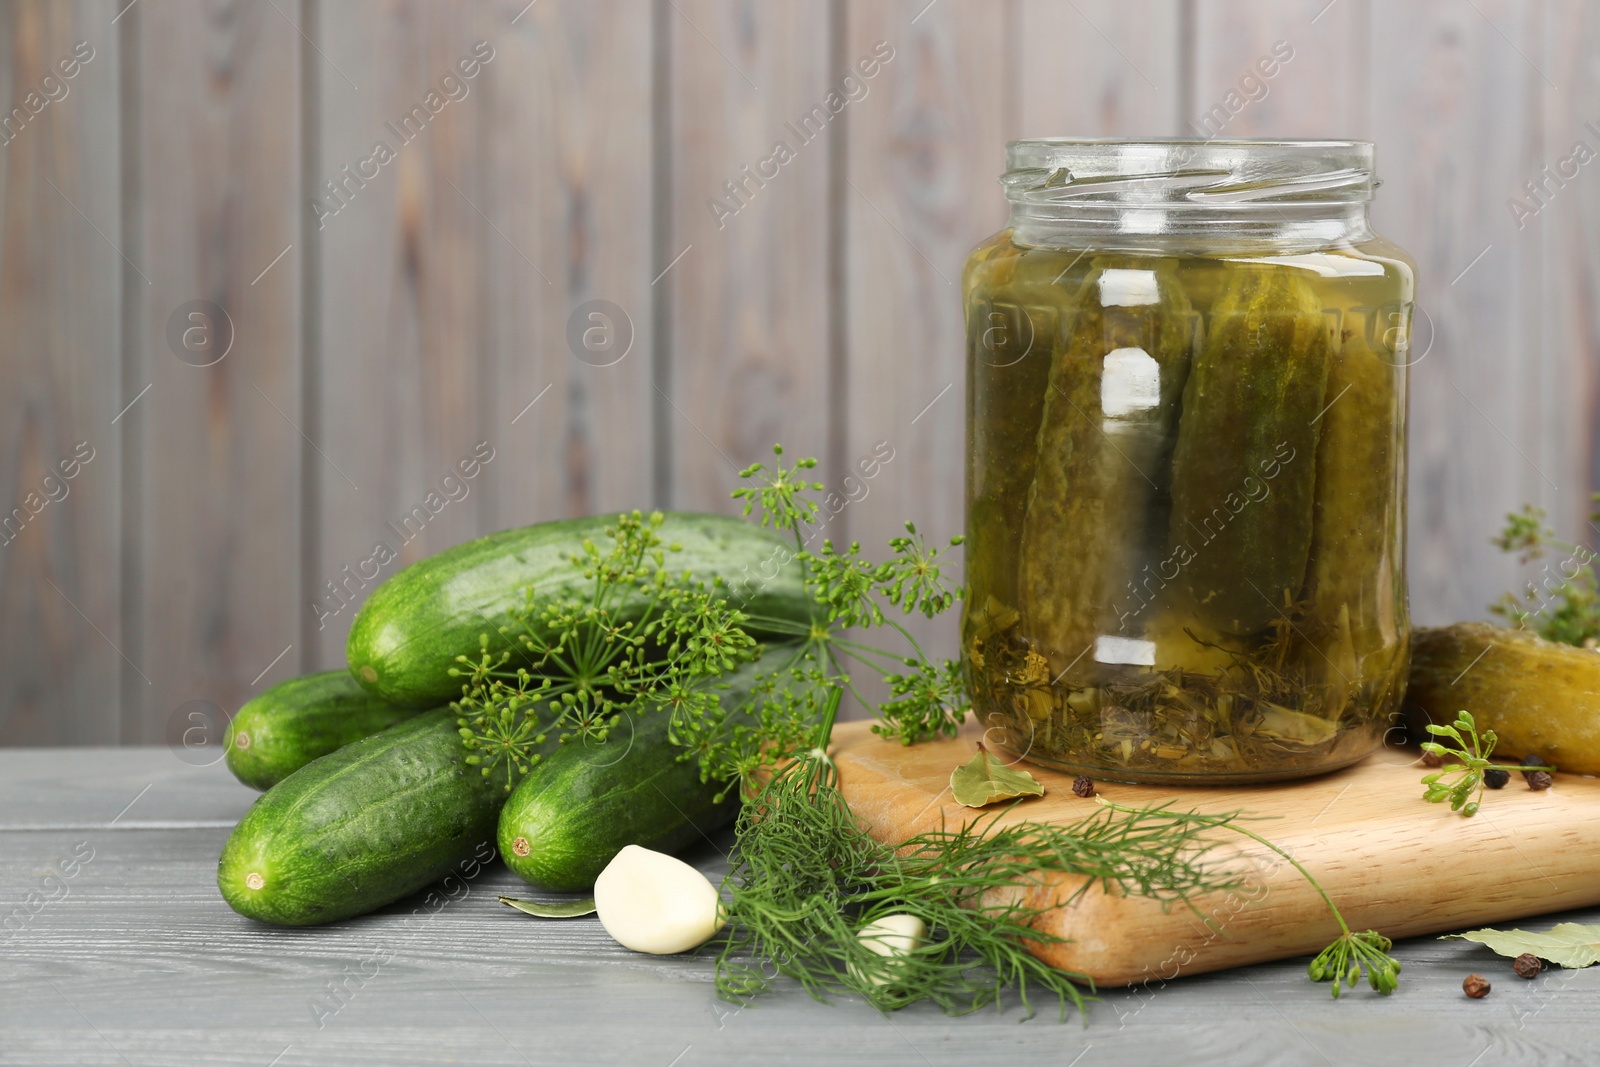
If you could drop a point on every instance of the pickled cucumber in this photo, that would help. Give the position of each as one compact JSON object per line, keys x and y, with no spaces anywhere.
{"x":1244,"y":468}
{"x":1354,"y":595}
{"x":1011,"y":333}
{"x":1102,"y":454}
{"x":1541,"y":698}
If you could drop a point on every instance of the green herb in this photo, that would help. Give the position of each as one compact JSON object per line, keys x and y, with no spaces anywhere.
{"x":852,"y":592}
{"x":1564,"y":605}
{"x":570,"y":909}
{"x":575,"y":669}
{"x":982,"y":781}
{"x":579,"y":669}
{"x":808,"y":879}
{"x":1462,"y":783}
{"x":1341,"y":962}
{"x":1567,"y":944}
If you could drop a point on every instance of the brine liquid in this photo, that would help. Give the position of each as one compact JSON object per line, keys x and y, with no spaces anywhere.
{"x":1185,"y":490}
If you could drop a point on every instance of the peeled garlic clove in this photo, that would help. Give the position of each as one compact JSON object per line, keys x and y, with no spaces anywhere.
{"x":893,"y":935}
{"x":651,"y":902}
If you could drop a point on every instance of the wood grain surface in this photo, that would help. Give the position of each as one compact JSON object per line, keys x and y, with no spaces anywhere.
{"x":567,"y":147}
{"x":401,"y":335}
{"x":1472,"y":455}
{"x":1320,"y":90}
{"x":436,"y":306}
{"x":136,"y":960}
{"x":751,"y":298}
{"x":61,"y":672}
{"x":226,"y":411}
{"x":1390,"y":861}
{"x":1563,"y":403}
{"x":1099,"y":68}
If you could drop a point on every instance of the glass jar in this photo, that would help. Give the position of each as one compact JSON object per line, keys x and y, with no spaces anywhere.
{"x":1185,"y":485}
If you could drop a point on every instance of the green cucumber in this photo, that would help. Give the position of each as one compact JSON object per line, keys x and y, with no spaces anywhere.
{"x":1244,"y":468}
{"x":1102,"y":456}
{"x":294,"y":722}
{"x":361,"y":827}
{"x":407,"y":636}
{"x":586,"y":802}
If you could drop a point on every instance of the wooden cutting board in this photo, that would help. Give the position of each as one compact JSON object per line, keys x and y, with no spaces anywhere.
{"x":1391,"y":862}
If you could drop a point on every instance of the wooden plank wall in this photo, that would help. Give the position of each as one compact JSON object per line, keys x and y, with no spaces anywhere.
{"x":610,"y":171}
{"x":213,"y":595}
{"x":62,"y":268}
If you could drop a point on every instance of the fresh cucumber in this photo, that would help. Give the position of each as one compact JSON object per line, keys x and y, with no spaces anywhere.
{"x":586,"y":802}
{"x":407,"y":636}
{"x":294,"y":722}
{"x":360,"y":827}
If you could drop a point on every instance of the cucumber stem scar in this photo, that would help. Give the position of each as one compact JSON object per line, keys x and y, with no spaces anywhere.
{"x":521,"y":847}
{"x":368,"y":674}
{"x":254,"y":880}
{"x":241,"y":740}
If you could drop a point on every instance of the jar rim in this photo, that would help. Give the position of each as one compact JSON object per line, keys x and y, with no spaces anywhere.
{"x":1182,"y":172}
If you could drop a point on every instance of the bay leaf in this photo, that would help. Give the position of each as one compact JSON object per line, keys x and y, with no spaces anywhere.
{"x":983,"y":781}
{"x":566,"y":909}
{"x":1568,"y":944}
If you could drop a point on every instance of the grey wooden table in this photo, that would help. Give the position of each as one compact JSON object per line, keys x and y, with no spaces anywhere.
{"x":117,"y":949}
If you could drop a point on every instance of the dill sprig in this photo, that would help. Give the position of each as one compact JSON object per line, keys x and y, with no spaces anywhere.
{"x":1564,"y":605}
{"x":574,"y":666}
{"x":579,"y":667}
{"x":1342,"y":961}
{"x":853,"y":592}
{"x":1462,"y":783}
{"x":808,"y":879}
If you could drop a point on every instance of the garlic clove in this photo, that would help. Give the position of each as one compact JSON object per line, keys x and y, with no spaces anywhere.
{"x":892,"y":935}
{"x":651,"y":902}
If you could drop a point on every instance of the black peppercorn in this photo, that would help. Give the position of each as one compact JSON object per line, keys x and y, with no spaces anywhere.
{"x":1538,"y":780}
{"x":1083,"y":785}
{"x":1496,"y":777}
{"x":1475,"y":986}
{"x":1527,"y":965}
